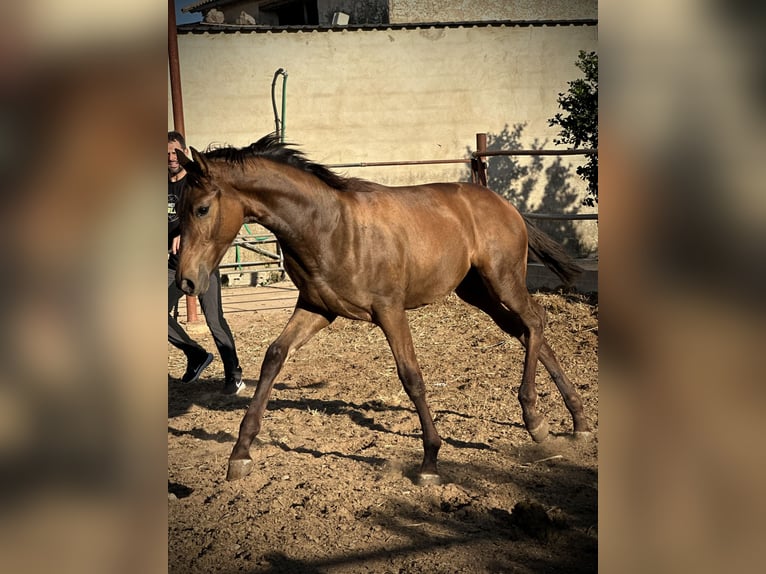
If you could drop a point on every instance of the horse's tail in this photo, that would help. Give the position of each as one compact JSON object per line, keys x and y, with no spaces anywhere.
{"x":547,"y":251}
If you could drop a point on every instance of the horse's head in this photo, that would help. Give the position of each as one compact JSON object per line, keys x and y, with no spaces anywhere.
{"x":211,"y":217}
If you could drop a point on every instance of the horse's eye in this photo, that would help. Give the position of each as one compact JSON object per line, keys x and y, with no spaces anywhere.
{"x":202,"y":210}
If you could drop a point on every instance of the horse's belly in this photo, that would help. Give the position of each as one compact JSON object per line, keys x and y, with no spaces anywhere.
{"x":431,"y":283}
{"x":317,"y":293}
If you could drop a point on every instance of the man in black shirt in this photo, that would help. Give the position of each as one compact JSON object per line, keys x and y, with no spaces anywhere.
{"x":196,"y":356}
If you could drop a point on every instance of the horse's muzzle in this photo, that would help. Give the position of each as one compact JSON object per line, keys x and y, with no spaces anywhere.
{"x":186,"y":285}
{"x":193,"y":286}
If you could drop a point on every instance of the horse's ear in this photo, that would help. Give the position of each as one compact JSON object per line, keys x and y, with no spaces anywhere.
{"x":199,"y":159}
{"x":182,"y":159}
{"x":196,"y":165}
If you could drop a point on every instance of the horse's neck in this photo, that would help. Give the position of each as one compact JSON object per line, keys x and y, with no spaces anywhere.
{"x":288,"y":202}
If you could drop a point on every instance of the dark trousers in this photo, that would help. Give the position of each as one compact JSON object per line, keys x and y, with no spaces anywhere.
{"x":212,"y":308}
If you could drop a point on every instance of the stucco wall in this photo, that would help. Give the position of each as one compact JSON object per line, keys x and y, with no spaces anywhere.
{"x":467,"y":10}
{"x":384,"y":95}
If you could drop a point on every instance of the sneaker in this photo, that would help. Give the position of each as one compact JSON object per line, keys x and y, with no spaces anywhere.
{"x":194,"y":369}
{"x":233,"y":384}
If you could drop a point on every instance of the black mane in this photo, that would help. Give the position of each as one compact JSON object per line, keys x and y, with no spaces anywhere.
{"x":271,"y":148}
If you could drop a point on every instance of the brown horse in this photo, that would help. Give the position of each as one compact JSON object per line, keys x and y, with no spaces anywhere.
{"x":365,"y":251}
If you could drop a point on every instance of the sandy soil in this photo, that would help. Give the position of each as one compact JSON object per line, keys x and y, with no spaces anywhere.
{"x":333,"y":491}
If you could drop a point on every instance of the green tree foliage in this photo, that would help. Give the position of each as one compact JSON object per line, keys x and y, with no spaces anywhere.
{"x":579,"y":120}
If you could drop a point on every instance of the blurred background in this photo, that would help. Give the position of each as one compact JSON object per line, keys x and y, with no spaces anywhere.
{"x":682,"y":245}
{"x":82,"y":349}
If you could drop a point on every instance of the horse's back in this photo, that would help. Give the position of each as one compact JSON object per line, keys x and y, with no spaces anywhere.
{"x":427,"y":237}
{"x":444,"y":214}
{"x":483,"y":215}
{"x":435,"y":199}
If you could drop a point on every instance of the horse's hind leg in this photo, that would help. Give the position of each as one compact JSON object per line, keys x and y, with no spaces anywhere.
{"x":568,"y":392}
{"x":303,"y":325}
{"x":397,"y":331}
{"x":475,"y":291}
{"x":511,"y":291}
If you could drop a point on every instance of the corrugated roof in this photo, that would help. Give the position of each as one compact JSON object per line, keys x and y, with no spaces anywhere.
{"x":204,"y":27}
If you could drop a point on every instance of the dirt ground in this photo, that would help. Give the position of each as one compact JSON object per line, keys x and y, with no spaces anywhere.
{"x":332,"y":490}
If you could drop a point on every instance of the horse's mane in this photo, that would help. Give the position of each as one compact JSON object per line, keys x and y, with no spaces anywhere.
{"x":270,"y":147}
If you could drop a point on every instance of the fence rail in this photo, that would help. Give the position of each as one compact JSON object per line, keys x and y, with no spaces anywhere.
{"x":395,"y":163}
{"x":553,"y":152}
{"x":561,"y":216}
{"x":271,"y":258}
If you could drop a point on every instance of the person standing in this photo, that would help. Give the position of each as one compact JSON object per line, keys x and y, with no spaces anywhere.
{"x":197,"y":357}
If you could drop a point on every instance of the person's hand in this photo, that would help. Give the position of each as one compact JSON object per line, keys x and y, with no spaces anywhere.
{"x":175,"y":245}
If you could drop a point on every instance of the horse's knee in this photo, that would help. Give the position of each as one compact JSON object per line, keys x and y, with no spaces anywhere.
{"x":276,"y":353}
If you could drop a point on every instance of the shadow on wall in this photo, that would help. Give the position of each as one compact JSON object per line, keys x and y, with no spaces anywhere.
{"x":519,"y":180}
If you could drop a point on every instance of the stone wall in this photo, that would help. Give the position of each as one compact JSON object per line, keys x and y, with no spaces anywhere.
{"x":359,"y":11}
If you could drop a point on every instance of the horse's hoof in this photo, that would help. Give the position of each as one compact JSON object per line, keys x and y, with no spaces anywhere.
{"x":424,"y":479}
{"x":540,"y":433}
{"x":239,"y":469}
{"x":582,"y":435}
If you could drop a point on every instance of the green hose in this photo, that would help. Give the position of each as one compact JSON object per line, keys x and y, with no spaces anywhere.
{"x":284,"y":103}
{"x":279,"y":125}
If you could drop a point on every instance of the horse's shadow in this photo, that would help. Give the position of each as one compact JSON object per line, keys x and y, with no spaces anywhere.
{"x":570,"y":524}
{"x":468,"y":473}
{"x":373,"y":461}
{"x":202,"y":434}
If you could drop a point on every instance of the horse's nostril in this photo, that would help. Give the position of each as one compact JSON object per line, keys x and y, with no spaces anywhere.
{"x":187,"y":286}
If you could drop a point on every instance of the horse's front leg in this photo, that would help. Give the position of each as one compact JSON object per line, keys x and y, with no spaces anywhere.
{"x":397,"y":331}
{"x":303,"y":325}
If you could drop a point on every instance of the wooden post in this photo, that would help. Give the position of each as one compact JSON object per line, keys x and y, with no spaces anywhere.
{"x":178,"y":114}
{"x":175,"y":71}
{"x":480,"y":166}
